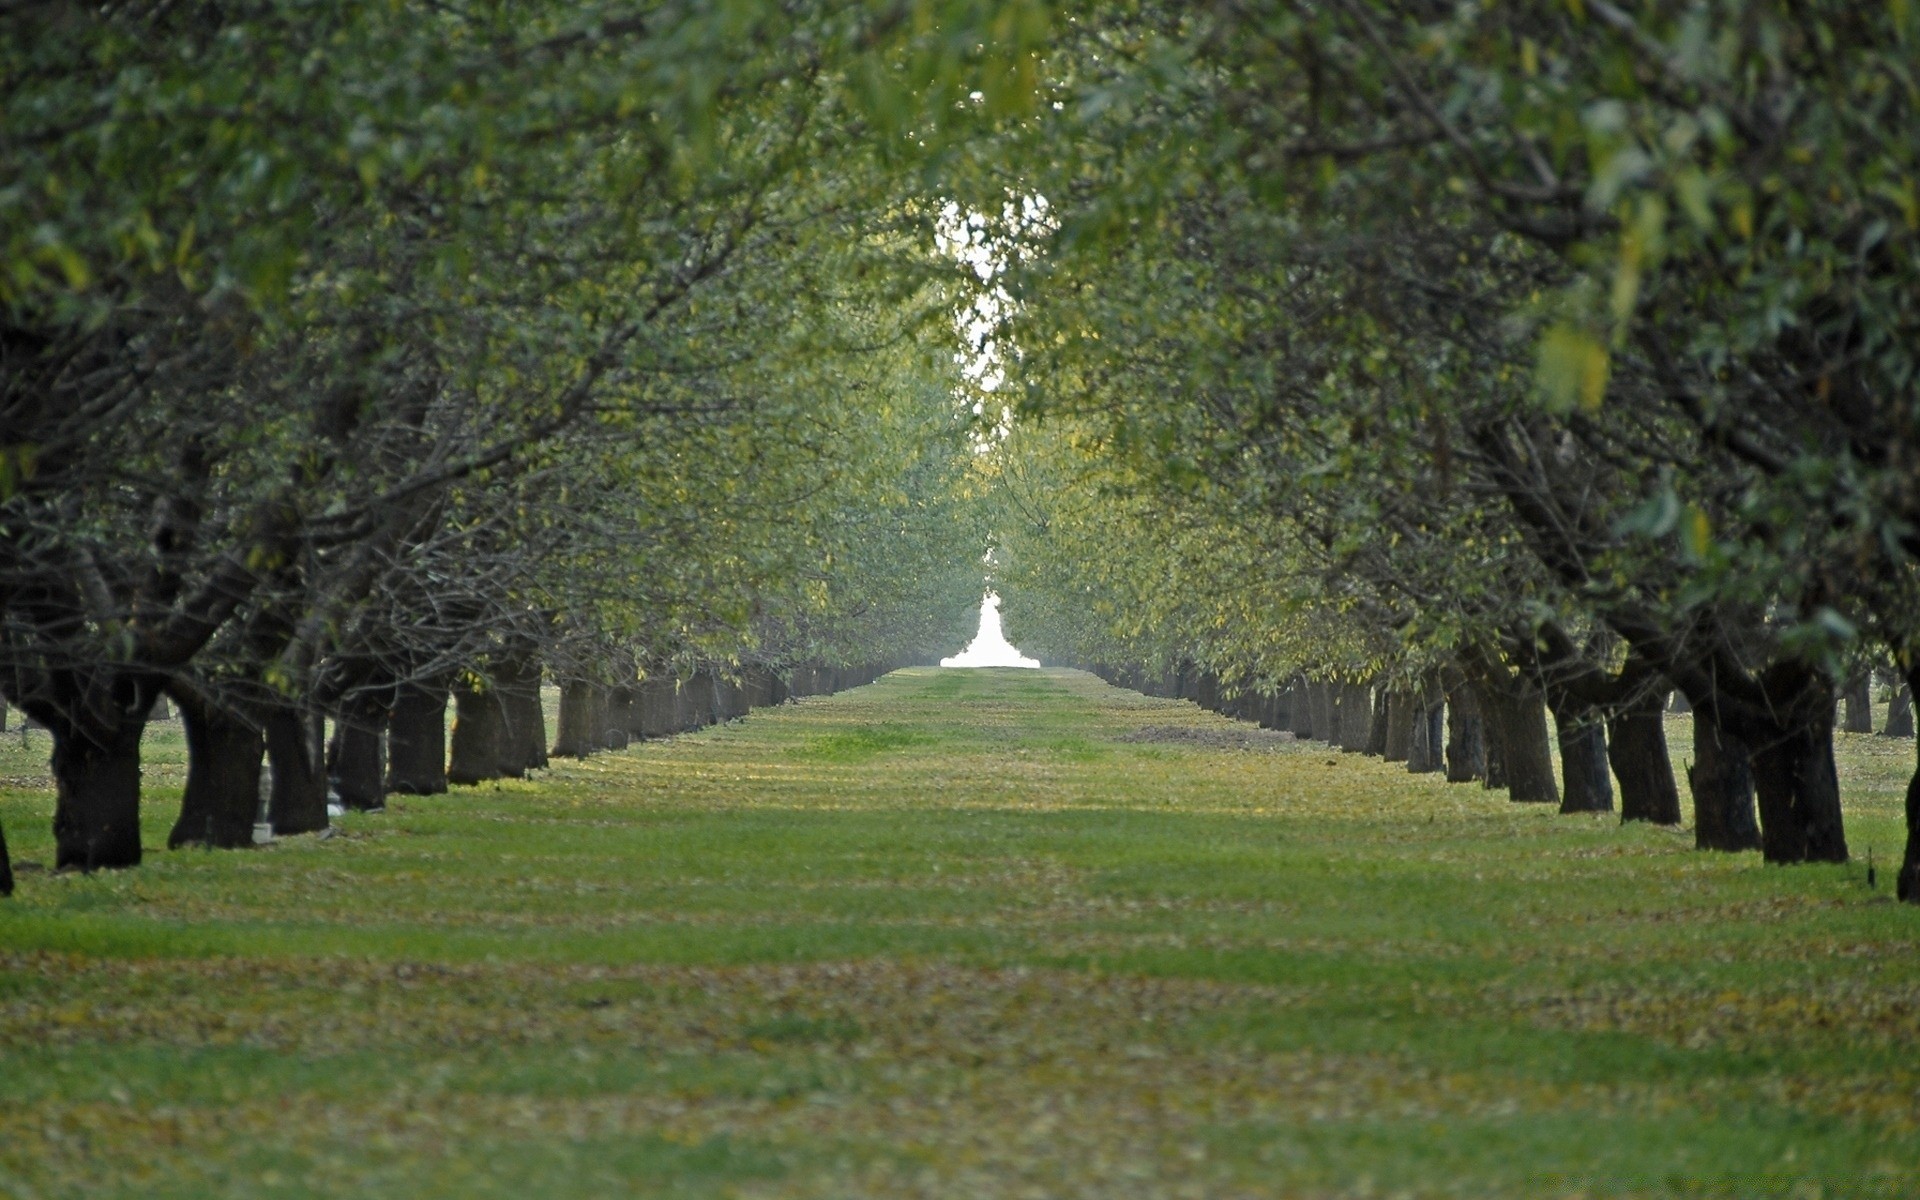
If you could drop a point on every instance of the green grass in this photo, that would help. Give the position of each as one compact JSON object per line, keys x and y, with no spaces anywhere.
{"x":950,"y":936}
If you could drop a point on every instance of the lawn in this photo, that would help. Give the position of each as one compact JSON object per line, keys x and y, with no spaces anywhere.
{"x":960,"y":934}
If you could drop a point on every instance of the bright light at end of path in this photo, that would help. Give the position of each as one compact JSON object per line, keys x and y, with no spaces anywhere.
{"x":989,"y":648}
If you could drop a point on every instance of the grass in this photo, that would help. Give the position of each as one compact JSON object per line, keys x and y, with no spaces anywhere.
{"x":950,"y":936}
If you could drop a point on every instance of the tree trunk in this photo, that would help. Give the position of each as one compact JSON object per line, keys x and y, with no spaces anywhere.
{"x":1721,"y":780}
{"x":1466,"y":735}
{"x":657,"y":696}
{"x":1586,"y":784}
{"x":417,"y":739}
{"x":619,"y":719}
{"x":1379,"y":729}
{"x":1426,"y":752}
{"x":1493,"y":736}
{"x":1857,"y":696}
{"x":1356,"y":717}
{"x":96,"y":774}
{"x":480,"y":749}
{"x":1899,"y":714}
{"x":1907,"y":883}
{"x":1637,"y":748}
{"x":1303,"y":710}
{"x":525,"y":736}
{"x":1517,"y":728}
{"x":574,"y":738}
{"x":222,"y":798}
{"x":359,"y":757}
{"x":1404,"y":712}
{"x":1799,"y":792}
{"x":298,"y":802}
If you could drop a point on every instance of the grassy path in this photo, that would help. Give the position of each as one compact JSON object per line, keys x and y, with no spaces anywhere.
{"x":953,"y":936}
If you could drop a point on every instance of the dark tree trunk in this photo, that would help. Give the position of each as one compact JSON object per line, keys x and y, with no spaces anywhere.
{"x":359,"y":757}
{"x":1517,"y":729}
{"x":524,"y":738}
{"x":1380,"y":728}
{"x":1493,"y":736}
{"x":1587,"y":786}
{"x":222,"y":798}
{"x":621,"y":716}
{"x":1426,"y":748}
{"x":96,"y":774}
{"x":298,"y":802}
{"x":1356,"y":717}
{"x":1799,"y":792}
{"x":1857,"y":698}
{"x":1907,"y":883}
{"x":1721,"y":780}
{"x":1310,"y":712}
{"x":417,"y":739}
{"x":657,"y":700}
{"x":481,"y":749}
{"x":1403,"y":713}
{"x":1466,"y":735}
{"x":6,"y":867}
{"x":1637,"y":748}
{"x":574,"y":737}
{"x":1899,"y":714}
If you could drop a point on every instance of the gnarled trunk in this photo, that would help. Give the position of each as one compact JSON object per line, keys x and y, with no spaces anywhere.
{"x":222,"y":799}
{"x":96,"y":770}
{"x":1637,"y":748}
{"x":1907,"y":883}
{"x":1721,"y":780}
{"x":359,"y":756}
{"x":1799,"y":792}
{"x":417,"y":739}
{"x":1899,"y":714}
{"x":1586,"y":784}
{"x":1857,"y":701}
{"x":575,"y":737}
{"x":1466,"y":735}
{"x":298,"y":801}
{"x":517,"y":676}
{"x":1356,"y":717}
{"x":480,"y":749}
{"x":1516,"y":718}
{"x":1403,"y":713}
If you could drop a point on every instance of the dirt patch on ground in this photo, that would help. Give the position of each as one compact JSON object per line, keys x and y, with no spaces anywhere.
{"x":1243,"y":737}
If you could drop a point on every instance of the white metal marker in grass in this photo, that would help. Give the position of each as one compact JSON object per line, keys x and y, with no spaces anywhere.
{"x":989,"y":647}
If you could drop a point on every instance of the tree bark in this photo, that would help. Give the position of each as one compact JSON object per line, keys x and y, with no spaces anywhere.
{"x":1907,"y":883}
{"x":298,"y":801}
{"x":1899,"y":714}
{"x":1379,"y":729}
{"x":1517,"y":729}
{"x":525,"y":737}
{"x":1721,"y":780}
{"x":359,"y":757}
{"x":1857,"y":699}
{"x":480,"y":748}
{"x":1356,"y":717}
{"x":96,"y":769}
{"x":574,"y":737}
{"x":1302,"y":711}
{"x":621,"y":715}
{"x":1637,"y":748}
{"x":1799,"y":792}
{"x":1466,"y":735}
{"x":417,"y":739}
{"x":222,"y":798}
{"x":1404,"y":712}
{"x":1587,"y":785}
